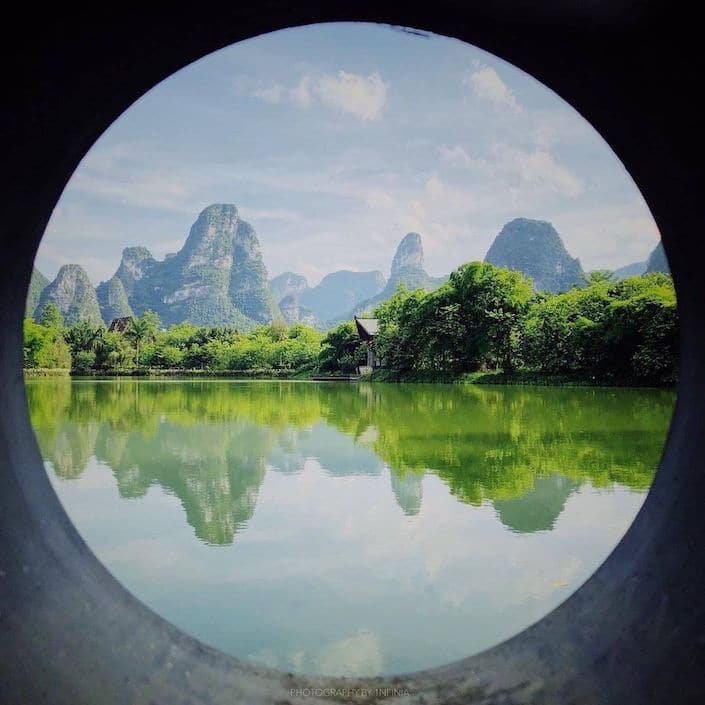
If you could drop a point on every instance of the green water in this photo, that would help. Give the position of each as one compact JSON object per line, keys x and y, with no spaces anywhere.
{"x":343,"y":528}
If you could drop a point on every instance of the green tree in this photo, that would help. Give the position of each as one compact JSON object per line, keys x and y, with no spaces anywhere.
{"x":402,"y":330}
{"x":278,"y":330}
{"x":342,"y":350}
{"x":599,"y":276}
{"x":154,"y":323}
{"x":51,"y":316}
{"x":623,"y":331}
{"x":640,"y":332}
{"x":139,"y":331}
{"x":113,"y":352}
{"x":83,"y":337}
{"x":492,"y":303}
{"x":563,"y":333}
{"x":44,"y":347}
{"x":83,"y":362}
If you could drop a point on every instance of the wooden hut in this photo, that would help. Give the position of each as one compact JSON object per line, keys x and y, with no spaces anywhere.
{"x":367,"y":329}
{"x":120,"y":324}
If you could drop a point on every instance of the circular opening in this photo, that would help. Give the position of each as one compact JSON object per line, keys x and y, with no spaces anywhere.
{"x":364,"y":528}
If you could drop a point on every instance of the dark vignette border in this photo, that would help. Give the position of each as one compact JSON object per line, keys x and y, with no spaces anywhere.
{"x":634,"y":633}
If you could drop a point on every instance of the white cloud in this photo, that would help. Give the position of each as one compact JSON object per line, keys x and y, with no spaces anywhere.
{"x":301,"y":95}
{"x":609,"y":235}
{"x":379,"y":199}
{"x":457,"y":156}
{"x":52,"y":258}
{"x":540,"y":168}
{"x":359,"y":655}
{"x":526,"y":175}
{"x":256,"y":214}
{"x":533,"y":173}
{"x":270,"y":94}
{"x":544,"y":135}
{"x":488,"y":85}
{"x":363,"y":97}
{"x":435,"y":187}
{"x":133,"y":174}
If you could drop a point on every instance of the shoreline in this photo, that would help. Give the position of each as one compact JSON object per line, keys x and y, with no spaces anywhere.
{"x":520,"y":378}
{"x":526,"y":378}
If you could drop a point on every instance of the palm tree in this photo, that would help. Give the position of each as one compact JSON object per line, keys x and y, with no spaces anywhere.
{"x":138,"y":331}
{"x":83,"y":337}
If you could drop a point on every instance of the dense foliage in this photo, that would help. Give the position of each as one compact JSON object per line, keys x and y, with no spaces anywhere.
{"x":625,"y":330}
{"x":342,"y":350}
{"x":471,"y":321}
{"x":85,"y":348}
{"x":488,"y":318}
{"x":44,"y":346}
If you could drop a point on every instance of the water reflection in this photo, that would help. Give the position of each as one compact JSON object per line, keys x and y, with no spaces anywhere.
{"x":211,"y":443}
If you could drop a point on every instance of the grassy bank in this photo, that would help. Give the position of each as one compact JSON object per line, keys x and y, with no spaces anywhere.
{"x":520,"y":377}
{"x":46,"y":372}
{"x":263,"y":373}
{"x":259,"y":373}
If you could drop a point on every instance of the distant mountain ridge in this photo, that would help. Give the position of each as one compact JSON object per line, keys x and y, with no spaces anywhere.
{"x":657,"y":261}
{"x":341,"y":291}
{"x":73,"y":294}
{"x":112,"y":299}
{"x":218,"y":277}
{"x":407,"y":269}
{"x":630,"y":270}
{"x":336,"y":292}
{"x":293,"y":312}
{"x":37,"y":284}
{"x":287,"y":284}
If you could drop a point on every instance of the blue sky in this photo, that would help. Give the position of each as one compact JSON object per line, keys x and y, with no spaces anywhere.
{"x":336,"y":140}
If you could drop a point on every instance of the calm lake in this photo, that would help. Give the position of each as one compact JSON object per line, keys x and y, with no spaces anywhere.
{"x":352,"y":529}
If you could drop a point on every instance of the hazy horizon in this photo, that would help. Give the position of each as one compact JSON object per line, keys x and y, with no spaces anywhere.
{"x":334,"y":141}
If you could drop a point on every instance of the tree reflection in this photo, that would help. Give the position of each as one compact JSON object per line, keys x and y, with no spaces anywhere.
{"x":210,"y":443}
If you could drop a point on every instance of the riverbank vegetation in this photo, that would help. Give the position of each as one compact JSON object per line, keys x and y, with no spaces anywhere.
{"x":485,"y":325}
{"x":143,"y":347}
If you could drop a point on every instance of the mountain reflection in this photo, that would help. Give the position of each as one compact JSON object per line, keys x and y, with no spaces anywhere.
{"x":211,"y":443}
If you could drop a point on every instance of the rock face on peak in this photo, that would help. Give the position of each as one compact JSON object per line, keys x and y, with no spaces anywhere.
{"x":407,"y":269}
{"x":217,"y":278}
{"x":288,"y":284}
{"x":211,"y":238}
{"x":341,"y":291}
{"x":73,"y":294}
{"x":249,"y":288}
{"x":534,"y":248}
{"x":112,"y":300}
{"x":136,"y":263}
{"x":292,"y":312}
{"x":37,"y":284}
{"x":409,"y":255}
{"x":657,"y":261}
